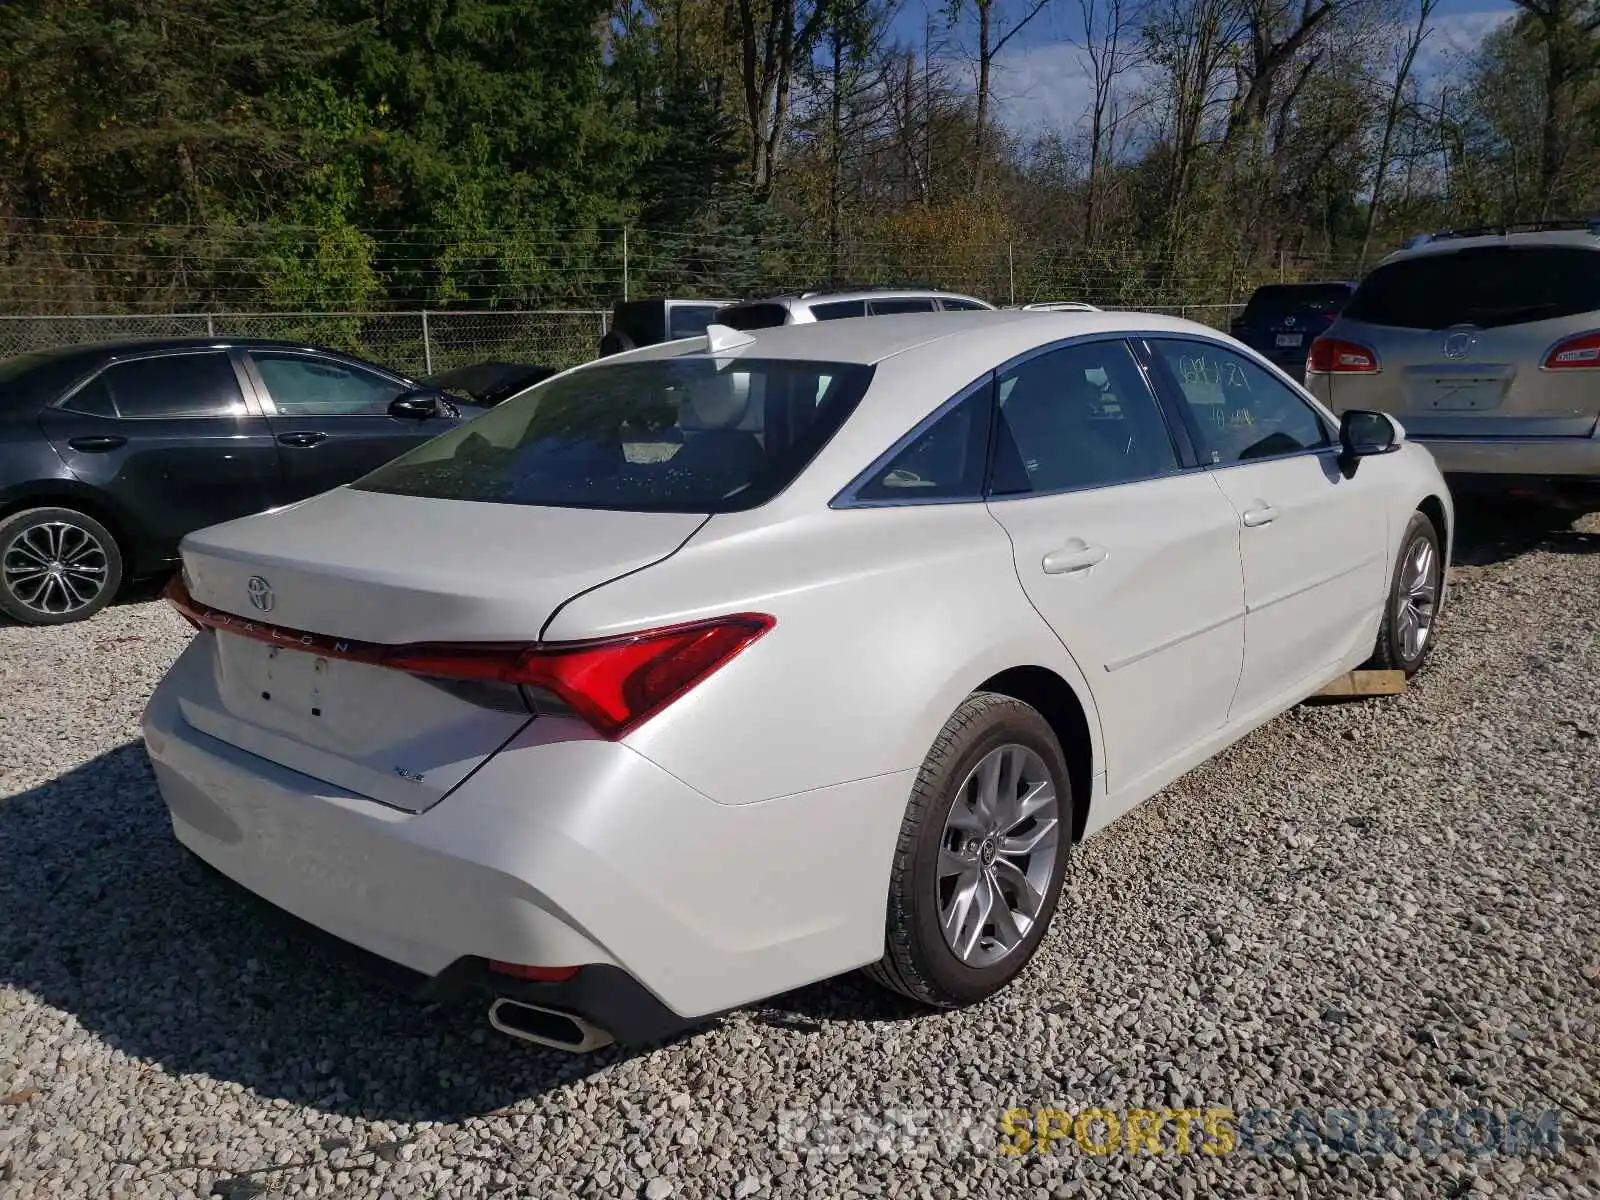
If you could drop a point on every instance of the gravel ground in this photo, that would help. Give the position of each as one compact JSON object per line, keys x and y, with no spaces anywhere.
{"x":1381,"y":905}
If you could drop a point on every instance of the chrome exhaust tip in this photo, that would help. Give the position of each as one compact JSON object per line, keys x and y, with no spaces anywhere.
{"x":547,"y":1026}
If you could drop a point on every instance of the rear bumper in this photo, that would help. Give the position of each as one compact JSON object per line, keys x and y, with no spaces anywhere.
{"x":1552,"y":457}
{"x":554,"y":853}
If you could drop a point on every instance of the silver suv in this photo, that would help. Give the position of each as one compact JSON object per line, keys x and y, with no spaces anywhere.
{"x":1486,"y":346}
{"x":803,"y":307}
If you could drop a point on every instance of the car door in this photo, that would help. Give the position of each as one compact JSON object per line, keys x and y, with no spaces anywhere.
{"x":1313,"y":542}
{"x":1133,"y":560}
{"x":172,"y":439}
{"x":331,"y":418}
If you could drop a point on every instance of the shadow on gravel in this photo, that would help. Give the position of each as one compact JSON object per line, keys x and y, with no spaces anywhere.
{"x":1488,"y":532}
{"x":105,"y":917}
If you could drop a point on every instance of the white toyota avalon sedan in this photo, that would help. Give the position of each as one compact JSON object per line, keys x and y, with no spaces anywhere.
{"x":714,"y":668}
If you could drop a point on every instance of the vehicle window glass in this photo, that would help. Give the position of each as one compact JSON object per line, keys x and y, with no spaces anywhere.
{"x":689,"y":320}
{"x":885,"y":308}
{"x":1081,"y":416}
{"x":753,"y":316}
{"x":1485,"y":286}
{"x":1243,"y":410}
{"x":318,"y":387}
{"x":176,"y":385}
{"x":1279,"y":300}
{"x":944,"y":462}
{"x":961,"y":305}
{"x":839,"y":309}
{"x":93,"y":398}
{"x":687,"y":434}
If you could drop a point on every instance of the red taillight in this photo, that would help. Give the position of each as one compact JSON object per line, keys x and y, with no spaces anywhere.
{"x":537,"y":974}
{"x":1334,"y":356}
{"x":614,"y":684}
{"x":1574,"y":352}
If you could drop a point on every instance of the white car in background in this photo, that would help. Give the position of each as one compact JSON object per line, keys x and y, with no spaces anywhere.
{"x":711,"y":669}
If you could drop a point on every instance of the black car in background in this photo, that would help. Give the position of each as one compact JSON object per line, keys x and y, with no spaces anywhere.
{"x":490,"y":383}
{"x":109,"y":454}
{"x":1281,"y":320}
{"x":636,"y":323}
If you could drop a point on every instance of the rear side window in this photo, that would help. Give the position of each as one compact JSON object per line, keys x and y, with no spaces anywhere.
{"x":944,"y":462}
{"x":839,"y":310}
{"x":687,"y":434}
{"x":1276,"y":301}
{"x":1485,"y":286}
{"x":688,"y":320}
{"x":753,"y":316}
{"x":887,"y":308}
{"x":175,"y":385}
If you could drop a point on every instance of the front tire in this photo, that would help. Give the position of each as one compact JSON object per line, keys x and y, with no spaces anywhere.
{"x":57,"y":565}
{"x":1409,"y":611}
{"x":983,"y":851}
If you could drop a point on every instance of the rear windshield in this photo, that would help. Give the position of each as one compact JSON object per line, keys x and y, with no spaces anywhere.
{"x":688,"y":320}
{"x":688,"y":434}
{"x":753,"y":316}
{"x":1485,"y":286}
{"x":1283,"y":300}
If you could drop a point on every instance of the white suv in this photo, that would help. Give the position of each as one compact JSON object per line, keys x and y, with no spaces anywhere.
{"x":804,"y":307}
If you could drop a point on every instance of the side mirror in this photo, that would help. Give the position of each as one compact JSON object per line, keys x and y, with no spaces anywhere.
{"x":1363,"y":434}
{"x":419,"y":404}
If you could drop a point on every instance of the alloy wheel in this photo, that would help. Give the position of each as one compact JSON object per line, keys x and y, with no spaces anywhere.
{"x":997,"y":855}
{"x":1416,"y":599}
{"x":55,"y":568}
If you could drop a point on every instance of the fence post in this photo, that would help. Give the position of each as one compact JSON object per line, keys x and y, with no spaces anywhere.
{"x":624,"y":262}
{"x":211,"y":326}
{"x":427,"y":346}
{"x":1011,"y":276}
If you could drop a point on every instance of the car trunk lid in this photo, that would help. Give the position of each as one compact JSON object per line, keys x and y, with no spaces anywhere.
{"x":296,"y":600}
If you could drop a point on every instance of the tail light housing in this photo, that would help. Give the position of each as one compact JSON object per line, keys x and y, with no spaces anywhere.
{"x":1336,"y":356}
{"x":1580,"y":352}
{"x":614,"y":684}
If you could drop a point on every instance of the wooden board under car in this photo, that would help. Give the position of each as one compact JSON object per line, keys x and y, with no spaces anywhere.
{"x":1366,"y":683}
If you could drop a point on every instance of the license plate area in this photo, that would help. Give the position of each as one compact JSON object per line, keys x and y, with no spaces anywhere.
{"x":1289,"y":341}
{"x":321,"y":701}
{"x":1460,"y":394}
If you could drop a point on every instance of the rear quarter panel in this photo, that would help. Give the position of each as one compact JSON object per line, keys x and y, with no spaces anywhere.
{"x":886,"y":619}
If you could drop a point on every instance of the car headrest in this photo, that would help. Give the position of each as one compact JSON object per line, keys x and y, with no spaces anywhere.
{"x":718,"y":401}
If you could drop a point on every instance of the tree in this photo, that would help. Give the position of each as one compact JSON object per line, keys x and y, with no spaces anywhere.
{"x":993,"y":37}
{"x":1405,"y":59}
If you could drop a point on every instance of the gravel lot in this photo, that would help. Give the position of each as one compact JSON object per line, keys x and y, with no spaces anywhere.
{"x":1386,"y":904}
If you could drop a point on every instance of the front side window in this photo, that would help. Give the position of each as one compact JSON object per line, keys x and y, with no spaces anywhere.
{"x":175,"y":385}
{"x":960,"y":305}
{"x":317,"y":387}
{"x":944,"y":462}
{"x":1078,"y":417}
{"x":687,"y":434}
{"x":1244,"y":412}
{"x":753,"y":316}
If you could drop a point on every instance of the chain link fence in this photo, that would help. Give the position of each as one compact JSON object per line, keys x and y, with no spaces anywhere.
{"x":417,"y":343}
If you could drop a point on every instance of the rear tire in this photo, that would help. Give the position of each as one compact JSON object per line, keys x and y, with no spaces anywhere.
{"x":983,"y":850}
{"x":57,"y":565}
{"x":1410,"y":609}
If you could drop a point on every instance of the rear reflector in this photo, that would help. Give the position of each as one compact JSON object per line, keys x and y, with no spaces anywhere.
{"x":1334,"y":356}
{"x":1574,"y":352}
{"x":538,"y":974}
{"x":615,"y":684}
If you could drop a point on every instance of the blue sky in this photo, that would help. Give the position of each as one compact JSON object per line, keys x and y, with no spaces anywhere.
{"x":1039,"y":81}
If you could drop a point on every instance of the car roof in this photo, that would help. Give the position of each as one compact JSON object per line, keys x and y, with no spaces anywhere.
{"x":872,"y":340}
{"x":113,"y":349}
{"x":1449,"y":244}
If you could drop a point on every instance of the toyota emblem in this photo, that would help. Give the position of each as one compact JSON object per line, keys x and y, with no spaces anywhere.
{"x":261,"y":596}
{"x":1459,"y":344}
{"x":1288,"y":322}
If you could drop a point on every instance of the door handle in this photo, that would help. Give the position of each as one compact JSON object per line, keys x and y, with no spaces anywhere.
{"x":97,"y":443}
{"x":1075,"y":556}
{"x":301,"y":438}
{"x":1261,"y":514}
